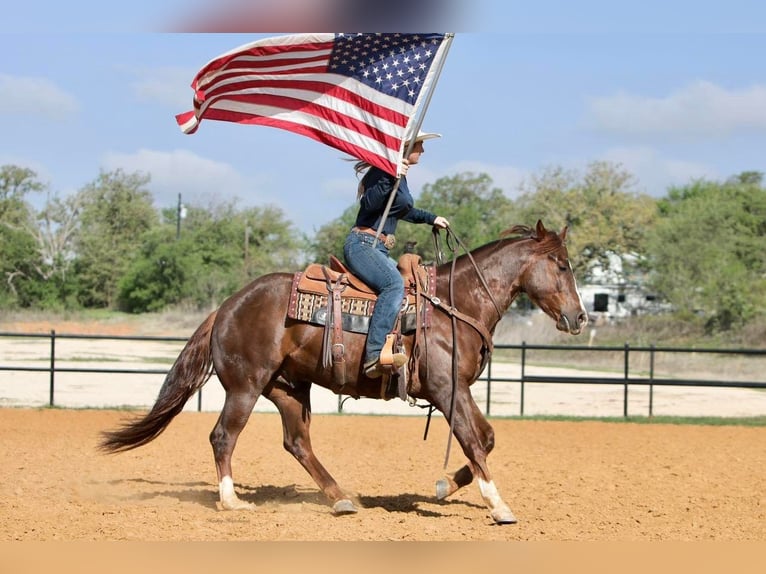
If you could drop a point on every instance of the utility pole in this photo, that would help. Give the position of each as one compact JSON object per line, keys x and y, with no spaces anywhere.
{"x":180,"y":214}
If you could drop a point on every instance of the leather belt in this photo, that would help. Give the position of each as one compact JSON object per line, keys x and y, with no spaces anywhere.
{"x":388,"y":240}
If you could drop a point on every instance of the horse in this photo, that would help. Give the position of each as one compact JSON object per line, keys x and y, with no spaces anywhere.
{"x":256,"y":351}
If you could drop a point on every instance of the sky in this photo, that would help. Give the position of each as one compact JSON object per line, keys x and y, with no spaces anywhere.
{"x":671,"y":91}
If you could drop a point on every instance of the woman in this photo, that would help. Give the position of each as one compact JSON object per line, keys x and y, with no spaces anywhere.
{"x":372,"y":263}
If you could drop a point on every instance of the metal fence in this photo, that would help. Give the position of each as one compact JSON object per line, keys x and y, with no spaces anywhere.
{"x":632,"y":372}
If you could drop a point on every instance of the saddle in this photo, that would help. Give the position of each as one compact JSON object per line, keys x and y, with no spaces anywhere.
{"x":334,"y":297}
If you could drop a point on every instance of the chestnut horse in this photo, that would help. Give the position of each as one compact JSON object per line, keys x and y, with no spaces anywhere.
{"x":256,"y":351}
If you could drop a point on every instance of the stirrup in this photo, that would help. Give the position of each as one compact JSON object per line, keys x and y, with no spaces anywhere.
{"x":389,"y":358}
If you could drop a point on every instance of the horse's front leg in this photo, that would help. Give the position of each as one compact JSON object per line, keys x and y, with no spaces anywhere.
{"x":477,"y":438}
{"x":453,"y":482}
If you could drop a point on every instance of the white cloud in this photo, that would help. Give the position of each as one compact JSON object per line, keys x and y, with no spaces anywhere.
{"x":35,"y":96}
{"x":167,"y":86}
{"x":655,"y":174}
{"x":702,"y":108}
{"x":198,"y":179}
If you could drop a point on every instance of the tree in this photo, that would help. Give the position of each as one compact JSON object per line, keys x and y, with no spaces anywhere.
{"x":707,"y":252}
{"x":604,"y":213}
{"x":116,"y":212}
{"x":19,"y":255}
{"x":158,"y":276}
{"x":477,"y":213}
{"x":331,"y":236}
{"x":15,"y":184}
{"x":219,"y":250}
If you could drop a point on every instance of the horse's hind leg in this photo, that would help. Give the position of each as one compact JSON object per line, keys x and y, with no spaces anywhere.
{"x":294,"y":405}
{"x":223,"y":438}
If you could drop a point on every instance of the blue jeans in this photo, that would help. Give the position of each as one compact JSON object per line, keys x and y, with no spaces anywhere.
{"x":373,"y":266}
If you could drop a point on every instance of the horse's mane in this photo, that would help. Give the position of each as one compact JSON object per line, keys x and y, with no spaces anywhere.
{"x":551,"y":241}
{"x":523,"y":231}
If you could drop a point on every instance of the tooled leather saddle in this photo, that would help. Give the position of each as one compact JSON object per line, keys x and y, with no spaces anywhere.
{"x":335,"y":298}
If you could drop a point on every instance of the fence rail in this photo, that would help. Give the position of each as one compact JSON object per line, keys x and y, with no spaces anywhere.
{"x":647,"y":376}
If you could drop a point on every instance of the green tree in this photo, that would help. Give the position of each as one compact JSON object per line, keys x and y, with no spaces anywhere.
{"x":477,"y":213}
{"x":159,"y":276}
{"x":330,"y":237}
{"x":220,"y":248}
{"x":116,"y":212}
{"x":19,"y":258}
{"x":57,"y":225}
{"x":602,"y":209}
{"x":707,"y":251}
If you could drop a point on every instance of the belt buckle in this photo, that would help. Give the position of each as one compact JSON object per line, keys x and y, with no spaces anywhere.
{"x":390,"y":241}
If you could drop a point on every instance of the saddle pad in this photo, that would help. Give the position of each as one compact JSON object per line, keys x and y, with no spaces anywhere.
{"x":304,"y":305}
{"x":311,"y":307}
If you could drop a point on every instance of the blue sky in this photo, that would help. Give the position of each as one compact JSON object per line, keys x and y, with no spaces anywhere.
{"x":671,"y":92}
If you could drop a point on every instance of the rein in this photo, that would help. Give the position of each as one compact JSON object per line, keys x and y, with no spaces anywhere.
{"x":440,"y":259}
{"x":455,"y":314}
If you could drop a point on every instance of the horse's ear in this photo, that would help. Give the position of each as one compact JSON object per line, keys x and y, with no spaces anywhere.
{"x":540,"y":230}
{"x":563,"y":234}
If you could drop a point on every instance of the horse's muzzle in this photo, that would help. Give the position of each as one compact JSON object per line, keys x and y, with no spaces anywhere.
{"x":572,"y":326}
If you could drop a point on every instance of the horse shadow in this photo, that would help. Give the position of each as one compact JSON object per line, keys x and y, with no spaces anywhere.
{"x":206,"y":494}
{"x":198,"y":492}
{"x":411,"y":503}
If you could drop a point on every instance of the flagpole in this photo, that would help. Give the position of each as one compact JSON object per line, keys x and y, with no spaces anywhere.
{"x":411,"y":143}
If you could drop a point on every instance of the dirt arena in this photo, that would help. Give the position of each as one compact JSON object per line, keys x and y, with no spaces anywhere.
{"x":594,"y":481}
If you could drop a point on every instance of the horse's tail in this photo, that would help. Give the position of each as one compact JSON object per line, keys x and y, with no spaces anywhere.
{"x":189,"y":373}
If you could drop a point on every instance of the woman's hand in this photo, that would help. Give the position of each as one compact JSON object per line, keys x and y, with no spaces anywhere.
{"x":404,"y":167}
{"x":441,"y":222}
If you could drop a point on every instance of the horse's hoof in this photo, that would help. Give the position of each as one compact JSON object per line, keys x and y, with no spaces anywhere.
{"x":236,"y":504}
{"x":442,"y":489}
{"x":503,"y":516}
{"x":343,"y":507}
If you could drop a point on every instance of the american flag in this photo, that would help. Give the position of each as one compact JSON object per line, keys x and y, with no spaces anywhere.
{"x":359,"y":93}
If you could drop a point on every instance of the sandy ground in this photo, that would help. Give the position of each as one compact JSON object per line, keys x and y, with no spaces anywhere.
{"x":565,"y":481}
{"x":585,"y":481}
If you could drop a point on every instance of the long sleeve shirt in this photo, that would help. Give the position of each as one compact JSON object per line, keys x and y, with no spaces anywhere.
{"x":378,"y":185}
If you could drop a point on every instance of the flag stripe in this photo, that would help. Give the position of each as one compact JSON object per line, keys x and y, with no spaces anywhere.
{"x":350,"y":142}
{"x":283,"y":105}
{"x":277,"y":46}
{"x":357,"y":93}
{"x":314,"y":94}
{"x":342,"y":127}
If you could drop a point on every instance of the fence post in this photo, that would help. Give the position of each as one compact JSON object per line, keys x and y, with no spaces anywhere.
{"x":651,"y":380}
{"x":523,"y":363}
{"x":53,"y":367}
{"x":627,"y":375}
{"x":199,"y":400}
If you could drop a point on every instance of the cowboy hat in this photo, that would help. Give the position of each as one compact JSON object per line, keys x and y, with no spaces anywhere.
{"x":422,"y":136}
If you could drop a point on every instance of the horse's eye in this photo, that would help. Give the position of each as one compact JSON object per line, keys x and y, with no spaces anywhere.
{"x":562,"y":265}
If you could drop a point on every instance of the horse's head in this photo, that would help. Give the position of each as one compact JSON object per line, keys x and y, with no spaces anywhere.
{"x":549,"y":281}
